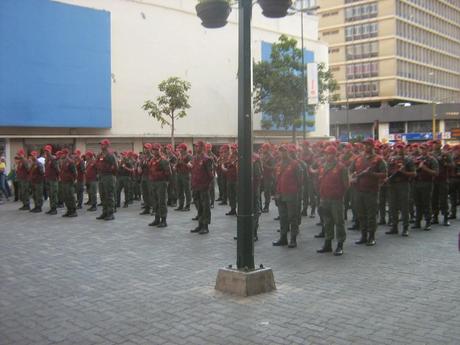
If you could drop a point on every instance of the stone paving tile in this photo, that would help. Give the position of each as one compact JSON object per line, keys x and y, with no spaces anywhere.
{"x":83,"y":281}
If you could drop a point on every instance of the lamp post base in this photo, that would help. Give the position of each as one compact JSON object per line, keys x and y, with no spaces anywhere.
{"x":244,"y":284}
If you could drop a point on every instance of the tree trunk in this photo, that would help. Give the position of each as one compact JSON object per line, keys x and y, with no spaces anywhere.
{"x":172,"y":133}
{"x":294,"y":134}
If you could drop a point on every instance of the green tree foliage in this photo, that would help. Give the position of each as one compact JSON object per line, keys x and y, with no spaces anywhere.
{"x":171,"y":105}
{"x":278,"y":86}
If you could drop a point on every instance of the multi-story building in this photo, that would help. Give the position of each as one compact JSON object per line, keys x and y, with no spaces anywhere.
{"x":393,"y":51}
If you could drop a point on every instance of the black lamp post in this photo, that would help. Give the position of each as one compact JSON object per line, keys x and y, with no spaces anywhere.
{"x":245,"y":230}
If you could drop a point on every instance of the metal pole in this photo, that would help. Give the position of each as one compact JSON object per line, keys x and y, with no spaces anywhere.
{"x":348,"y":106}
{"x":245,"y":230}
{"x":304,"y":110}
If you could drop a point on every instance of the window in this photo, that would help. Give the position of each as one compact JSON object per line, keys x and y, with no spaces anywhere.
{"x":397,"y":127}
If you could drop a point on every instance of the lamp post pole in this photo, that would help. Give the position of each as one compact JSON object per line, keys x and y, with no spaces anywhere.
{"x":245,"y":236}
{"x":304,"y":110}
{"x":348,"y":107}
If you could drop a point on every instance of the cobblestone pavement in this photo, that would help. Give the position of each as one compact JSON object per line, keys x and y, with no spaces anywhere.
{"x":83,"y":281}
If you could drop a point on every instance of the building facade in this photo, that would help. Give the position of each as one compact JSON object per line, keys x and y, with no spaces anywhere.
{"x":80,"y":70}
{"x":393,"y":51}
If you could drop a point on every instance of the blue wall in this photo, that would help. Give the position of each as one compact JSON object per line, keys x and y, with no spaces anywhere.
{"x":309,"y":56}
{"x":54,"y":65}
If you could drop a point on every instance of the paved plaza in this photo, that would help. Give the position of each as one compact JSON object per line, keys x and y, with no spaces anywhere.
{"x":83,"y":281}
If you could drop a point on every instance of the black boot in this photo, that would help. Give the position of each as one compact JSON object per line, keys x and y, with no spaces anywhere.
{"x":382,"y":221}
{"x":92,"y":208}
{"x":36,"y":210}
{"x":195,"y":218}
{"x":163,"y":223}
{"x":73,"y":213}
{"x":363,"y":238}
{"x":109,"y":217}
{"x":156,"y":221}
{"x":446,"y":221}
{"x":180,"y":208}
{"x":52,"y":212}
{"x":197,"y":229}
{"x":186,"y":208}
{"x":25,"y":208}
{"x":304,"y":212}
{"x":222,"y":203}
{"x":327,"y":247}
{"x":125,"y":205}
{"x":145,"y":212}
{"x":265,"y":209}
{"x":393,"y":231}
{"x":66,"y":214}
{"x":353,"y":227}
{"x":204,"y":229}
{"x":231,"y":213}
{"x":321,"y":234}
{"x":102,"y":216}
{"x":371,"y":240}
{"x":339,"y":250}
{"x":427,"y":226}
{"x":281,"y":242}
{"x":417,"y":225}
{"x":435,"y":220}
{"x":293,"y":242}
{"x":405,"y":232}
{"x":276,"y":218}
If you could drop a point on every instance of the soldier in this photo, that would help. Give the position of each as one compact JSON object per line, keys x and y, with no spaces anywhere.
{"x":22,"y":175}
{"x":401,"y":170}
{"x":212,"y":186}
{"x":268,"y":168}
{"x":36,"y":178}
{"x":224,"y":152}
{"x":288,"y":186}
{"x":136,"y":178}
{"x":172,"y":185}
{"x":91,"y":180}
{"x":368,"y":171}
{"x":333,"y":184}
{"x":51,"y":178}
{"x":159,"y":175}
{"x":230,"y":168}
{"x":183,"y":178}
{"x":107,"y":166}
{"x":202,"y":175}
{"x":143,"y":170}
{"x":441,"y":183}
{"x":454,"y":191}
{"x":68,"y":175}
{"x":125,"y":170}
{"x":427,"y":168}
{"x":81,"y":171}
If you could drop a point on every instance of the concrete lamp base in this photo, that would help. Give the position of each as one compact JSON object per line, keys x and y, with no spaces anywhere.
{"x":241,"y":283}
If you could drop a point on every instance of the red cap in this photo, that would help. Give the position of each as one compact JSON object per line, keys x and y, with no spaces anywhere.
{"x":369,"y":141}
{"x":156,"y":146}
{"x":306,"y":143}
{"x":48,"y":148}
{"x":208,"y":146}
{"x":169,"y":147}
{"x":89,"y":154}
{"x":200,"y":143}
{"x":77,"y":153}
{"x":224,"y":147}
{"x":105,"y":142}
{"x":234,"y":147}
{"x":399,"y":146}
{"x":148,"y":146}
{"x":21,"y":152}
{"x":266,"y":146}
{"x":283,"y":147}
{"x":330,"y":150}
{"x":34,"y":153}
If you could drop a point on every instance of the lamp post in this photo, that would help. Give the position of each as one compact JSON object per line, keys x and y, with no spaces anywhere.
{"x":348,"y":107}
{"x":433,"y":107}
{"x":304,"y":108}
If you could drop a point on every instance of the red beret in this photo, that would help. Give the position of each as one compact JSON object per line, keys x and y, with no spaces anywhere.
{"x":182,"y":146}
{"x":369,"y":141}
{"x":65,"y":151}
{"x":89,"y":154}
{"x":266,"y":146}
{"x":169,"y":147}
{"x":200,"y":143}
{"x":34,"y":153}
{"x":208,"y":146}
{"x":330,"y":150}
{"x":234,"y":146}
{"x":225,"y":147}
{"x":399,"y":146}
{"x":105,"y":142}
{"x":48,"y":148}
{"x":77,"y":152}
{"x":148,"y":146}
{"x":21,"y":152}
{"x":283,"y":147}
{"x":306,"y":143}
{"x":156,"y":146}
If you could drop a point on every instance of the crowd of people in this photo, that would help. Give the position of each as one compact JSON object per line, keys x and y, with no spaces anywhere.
{"x":380,"y":183}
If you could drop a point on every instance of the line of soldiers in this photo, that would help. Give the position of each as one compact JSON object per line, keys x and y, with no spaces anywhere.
{"x":330,"y":178}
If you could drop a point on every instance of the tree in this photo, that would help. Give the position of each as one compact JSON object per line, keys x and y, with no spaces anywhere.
{"x":171,"y":105}
{"x":278,"y":86}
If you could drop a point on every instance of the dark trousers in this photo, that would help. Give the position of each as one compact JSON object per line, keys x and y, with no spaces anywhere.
{"x":366,"y":207}
{"x":440,"y":197}
{"x":399,"y":202}
{"x":203,"y":204}
{"x":183,"y":190}
{"x":423,"y":192}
